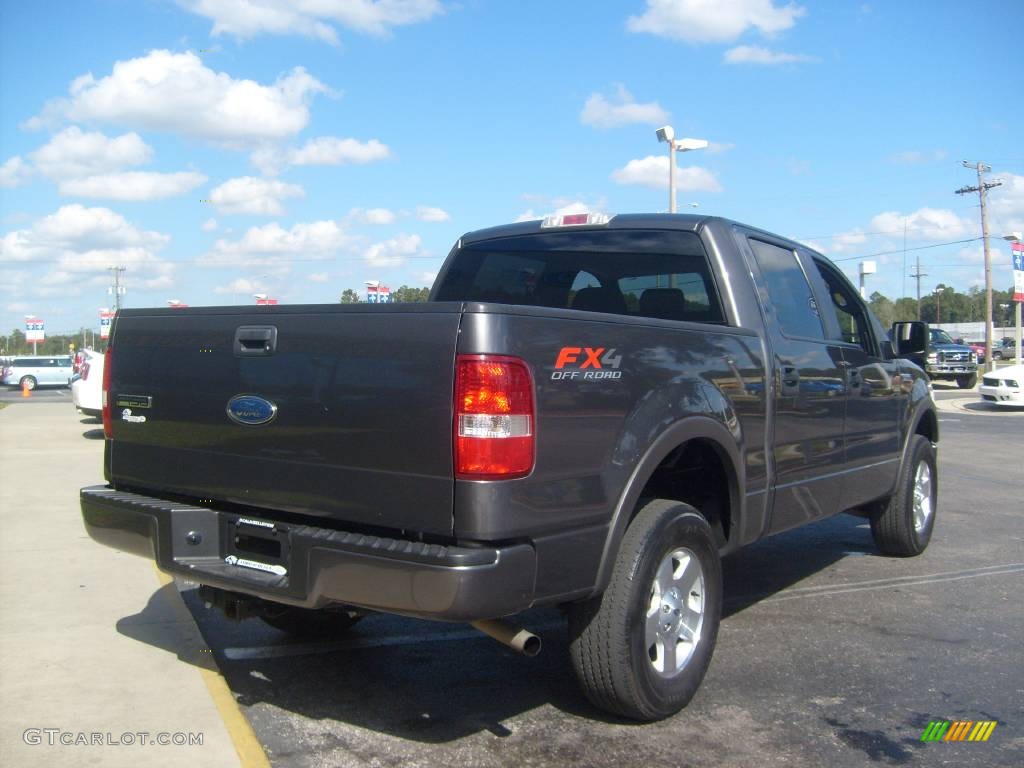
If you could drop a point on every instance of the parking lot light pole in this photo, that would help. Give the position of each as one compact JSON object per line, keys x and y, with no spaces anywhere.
{"x":667,"y":134}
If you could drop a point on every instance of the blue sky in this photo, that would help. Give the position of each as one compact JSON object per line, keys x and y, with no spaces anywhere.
{"x":221,"y":148}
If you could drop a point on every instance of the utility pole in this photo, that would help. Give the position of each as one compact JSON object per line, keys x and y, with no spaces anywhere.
{"x":918,"y":275}
{"x":982,"y":190}
{"x":117,"y":289}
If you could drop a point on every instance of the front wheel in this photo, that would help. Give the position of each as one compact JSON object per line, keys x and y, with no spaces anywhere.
{"x":27,"y":382}
{"x":640,"y":650}
{"x":967,"y":382}
{"x":904,"y":525}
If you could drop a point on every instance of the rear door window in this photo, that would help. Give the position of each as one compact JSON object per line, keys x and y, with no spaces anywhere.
{"x":795,"y":307}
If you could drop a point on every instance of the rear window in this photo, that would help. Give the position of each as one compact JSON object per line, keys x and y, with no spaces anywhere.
{"x":641,"y":273}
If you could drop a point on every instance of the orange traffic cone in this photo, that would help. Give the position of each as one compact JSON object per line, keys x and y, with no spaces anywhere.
{"x":25,"y":391}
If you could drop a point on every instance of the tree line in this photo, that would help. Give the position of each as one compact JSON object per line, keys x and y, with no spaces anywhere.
{"x":14,"y":343}
{"x":945,"y":305}
{"x":403,"y":295}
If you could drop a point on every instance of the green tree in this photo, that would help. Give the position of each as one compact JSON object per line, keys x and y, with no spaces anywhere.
{"x":348,"y":296}
{"x":405,"y":294}
{"x":883,"y":308}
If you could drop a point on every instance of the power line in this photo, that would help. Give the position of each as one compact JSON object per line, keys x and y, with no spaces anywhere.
{"x":916,"y":248}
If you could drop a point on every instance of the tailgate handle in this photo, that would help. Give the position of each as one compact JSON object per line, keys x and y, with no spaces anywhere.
{"x":255,"y":340}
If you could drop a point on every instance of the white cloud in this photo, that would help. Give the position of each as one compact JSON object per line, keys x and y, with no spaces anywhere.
{"x":73,"y":153}
{"x":713,"y":21}
{"x":718,"y":147}
{"x":392,"y":252}
{"x":91,"y":165}
{"x":847,"y":241}
{"x":177,"y":93}
{"x":652,"y":171}
{"x":209,"y":225}
{"x":428,"y":213}
{"x":427,"y":278}
{"x":755,"y":54}
{"x":133,"y":185}
{"x":14,"y":172}
{"x":620,"y":109}
{"x":923,"y":224}
{"x":272,"y":245}
{"x":372,"y":215}
{"x":330,"y":150}
{"x":325,"y":150}
{"x":318,"y":277}
{"x":1006,"y":204}
{"x":247,"y":194}
{"x":918,"y":157}
{"x":241,"y":285}
{"x":310,"y":18}
{"x":77,"y":242}
{"x":563,"y":207}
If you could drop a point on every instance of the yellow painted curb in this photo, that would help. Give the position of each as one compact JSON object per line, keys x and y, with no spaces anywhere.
{"x":250,"y":751}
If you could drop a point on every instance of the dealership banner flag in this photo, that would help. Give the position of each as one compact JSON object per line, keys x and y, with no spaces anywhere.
{"x":105,"y":318}
{"x":35,"y":329}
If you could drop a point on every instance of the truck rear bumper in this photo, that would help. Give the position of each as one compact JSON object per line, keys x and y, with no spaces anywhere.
{"x":313,"y":567}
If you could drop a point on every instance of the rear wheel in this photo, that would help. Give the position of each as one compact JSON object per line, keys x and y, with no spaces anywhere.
{"x":303,"y":622}
{"x":641,"y":649}
{"x":27,"y":382}
{"x":904,"y":526}
{"x":967,"y":382}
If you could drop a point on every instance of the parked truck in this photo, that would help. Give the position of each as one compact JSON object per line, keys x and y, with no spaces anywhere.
{"x":946,"y":360}
{"x":588,"y":413}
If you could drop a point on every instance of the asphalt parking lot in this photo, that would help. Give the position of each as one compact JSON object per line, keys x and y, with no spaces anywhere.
{"x":828,"y":653}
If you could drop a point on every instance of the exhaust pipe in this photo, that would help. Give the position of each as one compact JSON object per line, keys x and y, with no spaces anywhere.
{"x":516,"y":638}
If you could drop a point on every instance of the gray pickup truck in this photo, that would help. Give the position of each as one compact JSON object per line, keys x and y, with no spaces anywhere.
{"x":588,"y":413}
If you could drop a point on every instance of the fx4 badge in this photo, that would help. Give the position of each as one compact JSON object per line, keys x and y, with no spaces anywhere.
{"x":586,"y":363}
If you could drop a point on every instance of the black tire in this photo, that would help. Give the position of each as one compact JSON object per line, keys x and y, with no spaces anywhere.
{"x":893,"y":527}
{"x":303,"y":622}
{"x":607,"y":634}
{"x":967,"y":382}
{"x":27,"y":382}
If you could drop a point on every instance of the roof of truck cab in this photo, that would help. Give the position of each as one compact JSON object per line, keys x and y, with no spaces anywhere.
{"x":686,"y":222}
{"x":683,"y":221}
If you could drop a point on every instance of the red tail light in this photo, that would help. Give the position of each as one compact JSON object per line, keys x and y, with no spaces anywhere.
{"x":108,"y":365}
{"x":84,"y":371}
{"x":494,"y":418}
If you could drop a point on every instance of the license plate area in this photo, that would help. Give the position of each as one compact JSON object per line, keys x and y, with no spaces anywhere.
{"x":253,"y":543}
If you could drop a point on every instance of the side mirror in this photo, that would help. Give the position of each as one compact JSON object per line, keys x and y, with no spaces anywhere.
{"x":910,"y":337}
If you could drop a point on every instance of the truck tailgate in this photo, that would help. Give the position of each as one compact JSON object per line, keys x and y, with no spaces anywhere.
{"x":363,"y":427}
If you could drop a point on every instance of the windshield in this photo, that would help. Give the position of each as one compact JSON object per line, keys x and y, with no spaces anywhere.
{"x":939,"y":336}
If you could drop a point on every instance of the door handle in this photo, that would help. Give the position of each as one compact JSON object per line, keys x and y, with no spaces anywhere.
{"x":255,"y":341}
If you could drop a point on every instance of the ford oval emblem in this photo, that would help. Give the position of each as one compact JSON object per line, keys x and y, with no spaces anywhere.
{"x":251,"y":410}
